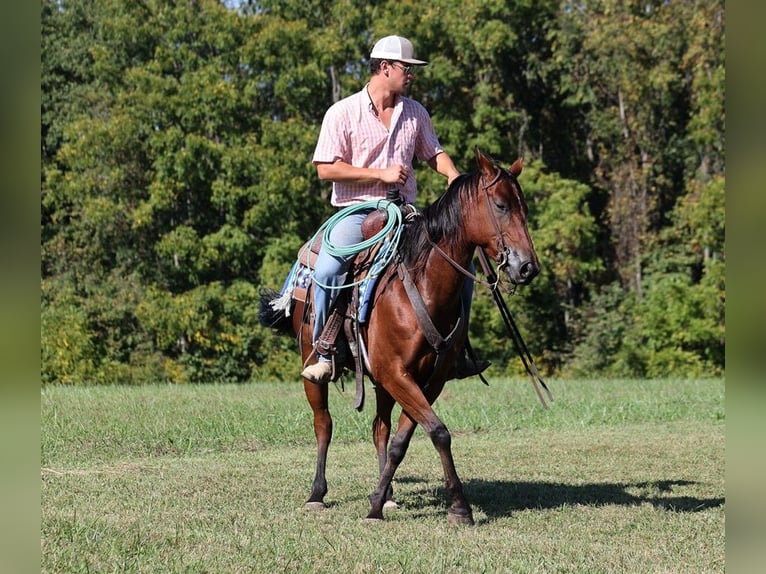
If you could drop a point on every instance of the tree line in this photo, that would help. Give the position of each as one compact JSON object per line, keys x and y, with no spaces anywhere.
{"x":176,"y":175}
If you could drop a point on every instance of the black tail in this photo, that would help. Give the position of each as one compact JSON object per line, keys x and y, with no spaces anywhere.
{"x":274,"y":318}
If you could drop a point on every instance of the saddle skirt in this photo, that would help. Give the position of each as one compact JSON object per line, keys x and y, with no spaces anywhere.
{"x":355,"y":300}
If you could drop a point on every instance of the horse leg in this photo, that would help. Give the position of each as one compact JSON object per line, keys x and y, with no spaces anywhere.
{"x":317,"y":396}
{"x":460,"y":511}
{"x":417,"y":408}
{"x":381,"y":432}
{"x":396,"y":452}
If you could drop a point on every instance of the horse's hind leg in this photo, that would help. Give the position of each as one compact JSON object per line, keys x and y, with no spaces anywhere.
{"x":381,"y":432}
{"x":317,"y":396}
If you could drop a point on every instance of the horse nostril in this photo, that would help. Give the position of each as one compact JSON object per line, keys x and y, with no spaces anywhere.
{"x":527,"y":270}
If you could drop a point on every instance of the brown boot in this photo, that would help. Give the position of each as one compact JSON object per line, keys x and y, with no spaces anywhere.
{"x":319,"y":373}
{"x":467,"y":367}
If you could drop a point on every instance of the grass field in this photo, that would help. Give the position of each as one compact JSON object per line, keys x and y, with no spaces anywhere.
{"x":617,"y":476}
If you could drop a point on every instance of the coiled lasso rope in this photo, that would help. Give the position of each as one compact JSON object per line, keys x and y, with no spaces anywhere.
{"x":393,"y":225}
{"x":393,"y":222}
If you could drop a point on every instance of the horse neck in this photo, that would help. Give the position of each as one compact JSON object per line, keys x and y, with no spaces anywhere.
{"x":440,"y":277}
{"x":437,"y":276}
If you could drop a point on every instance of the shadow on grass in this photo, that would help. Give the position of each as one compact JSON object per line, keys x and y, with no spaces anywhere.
{"x":499,"y":499}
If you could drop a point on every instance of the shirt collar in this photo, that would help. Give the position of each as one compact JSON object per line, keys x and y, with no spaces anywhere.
{"x":371,"y":104}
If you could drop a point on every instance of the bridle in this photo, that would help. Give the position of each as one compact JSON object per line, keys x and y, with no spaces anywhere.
{"x":503,"y":250}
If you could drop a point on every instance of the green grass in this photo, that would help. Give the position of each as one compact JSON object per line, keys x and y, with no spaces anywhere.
{"x":617,"y":476}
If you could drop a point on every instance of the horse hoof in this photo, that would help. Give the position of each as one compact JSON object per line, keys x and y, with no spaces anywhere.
{"x":314,"y":506}
{"x":455,"y":519}
{"x":390,"y":505}
{"x":371,"y":520}
{"x":374,"y":516}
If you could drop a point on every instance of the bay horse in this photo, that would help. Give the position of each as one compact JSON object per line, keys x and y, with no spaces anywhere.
{"x":484,"y":209}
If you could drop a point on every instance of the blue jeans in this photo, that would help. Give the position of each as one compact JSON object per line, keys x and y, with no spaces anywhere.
{"x":330,"y":270}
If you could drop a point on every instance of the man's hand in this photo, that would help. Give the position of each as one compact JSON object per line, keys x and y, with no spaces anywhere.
{"x":395,"y":174}
{"x":341,"y":171}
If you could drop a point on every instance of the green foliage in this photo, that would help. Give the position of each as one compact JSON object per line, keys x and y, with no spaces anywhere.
{"x":674,"y":330}
{"x":207,"y":333}
{"x":176,"y":174}
{"x":677,"y":327}
{"x":68,"y":351}
{"x":605,"y":323}
{"x":92,"y":336}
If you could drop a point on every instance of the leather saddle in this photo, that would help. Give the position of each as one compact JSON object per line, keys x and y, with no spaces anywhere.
{"x":309,"y":251}
{"x":341,"y":337}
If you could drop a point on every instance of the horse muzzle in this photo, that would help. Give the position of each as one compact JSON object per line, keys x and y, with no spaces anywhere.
{"x":520,"y":270}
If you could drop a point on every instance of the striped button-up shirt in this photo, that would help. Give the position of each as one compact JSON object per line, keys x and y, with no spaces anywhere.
{"x":353,"y":133}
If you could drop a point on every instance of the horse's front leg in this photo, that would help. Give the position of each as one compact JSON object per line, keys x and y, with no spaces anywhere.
{"x":381,"y":433}
{"x":460,"y":511}
{"x":317,"y":396}
{"x":396,"y":452}
{"x":417,"y":407}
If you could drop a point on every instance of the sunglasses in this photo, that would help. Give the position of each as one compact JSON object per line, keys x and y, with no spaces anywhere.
{"x":405,"y":69}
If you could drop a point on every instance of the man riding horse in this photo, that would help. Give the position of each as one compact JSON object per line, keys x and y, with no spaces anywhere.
{"x":365,"y":148}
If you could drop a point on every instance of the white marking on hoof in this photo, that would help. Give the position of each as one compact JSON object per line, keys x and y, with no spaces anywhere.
{"x":373,"y":520}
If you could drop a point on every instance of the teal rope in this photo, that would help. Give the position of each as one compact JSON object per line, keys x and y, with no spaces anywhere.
{"x":393,"y":222}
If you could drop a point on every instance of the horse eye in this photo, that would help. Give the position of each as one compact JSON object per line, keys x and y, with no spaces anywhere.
{"x":501,"y":206}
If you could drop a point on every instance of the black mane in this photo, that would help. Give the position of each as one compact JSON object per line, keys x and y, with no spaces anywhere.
{"x":442,"y":219}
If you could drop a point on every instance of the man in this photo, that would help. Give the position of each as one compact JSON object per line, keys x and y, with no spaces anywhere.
{"x":365,"y":148}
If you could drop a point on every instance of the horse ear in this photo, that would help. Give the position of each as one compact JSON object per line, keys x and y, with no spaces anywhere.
{"x":516,"y":167}
{"x":485,"y":162}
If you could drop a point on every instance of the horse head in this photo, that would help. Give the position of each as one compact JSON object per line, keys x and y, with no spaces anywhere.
{"x":499,"y":220}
